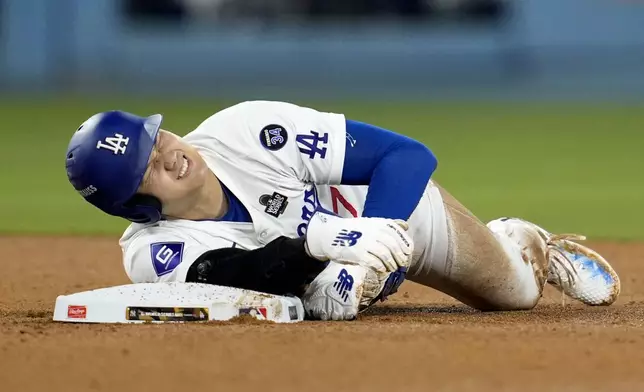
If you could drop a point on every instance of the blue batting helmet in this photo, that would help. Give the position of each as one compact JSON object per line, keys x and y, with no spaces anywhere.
{"x":106,"y":160}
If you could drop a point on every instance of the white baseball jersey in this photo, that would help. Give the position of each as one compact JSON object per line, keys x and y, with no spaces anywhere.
{"x":281,"y":161}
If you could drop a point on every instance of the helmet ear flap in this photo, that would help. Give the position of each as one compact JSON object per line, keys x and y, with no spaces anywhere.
{"x":143,"y":209}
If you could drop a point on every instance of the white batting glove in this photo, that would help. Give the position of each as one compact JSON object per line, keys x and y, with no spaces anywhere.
{"x":376,"y":243}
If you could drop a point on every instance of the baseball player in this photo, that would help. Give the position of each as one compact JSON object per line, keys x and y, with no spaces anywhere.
{"x":288,"y":200}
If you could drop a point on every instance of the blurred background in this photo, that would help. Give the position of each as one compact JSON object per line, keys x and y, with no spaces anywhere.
{"x":314,"y":48}
{"x":533,"y":107}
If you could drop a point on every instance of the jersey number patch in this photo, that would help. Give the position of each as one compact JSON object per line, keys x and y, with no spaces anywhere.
{"x":166,"y":256}
{"x":273,"y":137}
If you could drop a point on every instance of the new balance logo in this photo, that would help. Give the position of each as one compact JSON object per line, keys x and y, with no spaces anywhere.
{"x":344,"y":284}
{"x":346,"y":238}
{"x":310,"y":144}
{"x":117,"y":143}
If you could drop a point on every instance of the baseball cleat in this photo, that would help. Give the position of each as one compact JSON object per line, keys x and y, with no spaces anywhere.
{"x":578,"y":271}
{"x":533,"y":247}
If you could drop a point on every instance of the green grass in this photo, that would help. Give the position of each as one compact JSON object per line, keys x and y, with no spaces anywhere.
{"x":567,"y":167}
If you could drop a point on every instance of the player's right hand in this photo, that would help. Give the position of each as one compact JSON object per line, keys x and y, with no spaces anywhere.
{"x":380,"y":244}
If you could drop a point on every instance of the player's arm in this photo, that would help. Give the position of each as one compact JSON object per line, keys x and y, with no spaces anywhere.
{"x":283,"y":266}
{"x":325,"y":148}
{"x":396,"y":168}
{"x":280,"y":267}
{"x":288,"y":265}
{"x":158,"y":255}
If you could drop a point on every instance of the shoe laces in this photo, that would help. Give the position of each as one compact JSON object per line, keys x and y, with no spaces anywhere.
{"x":560,"y":260}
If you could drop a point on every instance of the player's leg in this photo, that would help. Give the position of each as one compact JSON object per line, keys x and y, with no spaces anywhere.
{"x":485,"y":269}
{"x":505,"y":264}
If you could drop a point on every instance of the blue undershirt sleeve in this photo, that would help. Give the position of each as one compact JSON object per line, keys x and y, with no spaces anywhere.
{"x":396,"y":168}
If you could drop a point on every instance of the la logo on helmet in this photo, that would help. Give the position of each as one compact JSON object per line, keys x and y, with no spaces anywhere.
{"x":117,"y":143}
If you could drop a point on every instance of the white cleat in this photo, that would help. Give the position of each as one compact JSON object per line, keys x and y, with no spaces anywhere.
{"x":578,"y":271}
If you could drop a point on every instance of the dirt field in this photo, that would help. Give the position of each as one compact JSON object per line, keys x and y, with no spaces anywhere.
{"x":420,"y":341}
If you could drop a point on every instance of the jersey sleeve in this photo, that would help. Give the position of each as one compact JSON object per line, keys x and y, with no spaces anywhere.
{"x":294,"y":140}
{"x":162,"y":255}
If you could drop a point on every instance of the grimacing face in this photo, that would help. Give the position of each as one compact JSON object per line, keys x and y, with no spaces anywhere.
{"x":175,"y":171}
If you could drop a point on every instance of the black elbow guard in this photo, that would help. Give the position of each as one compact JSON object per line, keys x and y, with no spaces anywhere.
{"x":281,"y":267}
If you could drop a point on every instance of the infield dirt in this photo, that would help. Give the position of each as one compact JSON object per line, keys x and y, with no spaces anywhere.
{"x":419,"y":340}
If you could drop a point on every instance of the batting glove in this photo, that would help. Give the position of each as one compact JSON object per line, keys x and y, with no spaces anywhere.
{"x":376,"y":243}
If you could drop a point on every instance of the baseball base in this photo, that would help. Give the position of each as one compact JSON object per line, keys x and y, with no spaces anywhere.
{"x":174,"y":302}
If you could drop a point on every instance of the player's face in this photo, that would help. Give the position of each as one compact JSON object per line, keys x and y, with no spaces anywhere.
{"x":175,"y":170}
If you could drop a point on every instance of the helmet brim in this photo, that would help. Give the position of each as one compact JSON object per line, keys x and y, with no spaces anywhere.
{"x":147,"y":141}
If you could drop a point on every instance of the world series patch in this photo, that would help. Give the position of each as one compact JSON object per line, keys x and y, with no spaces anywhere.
{"x":275,"y":204}
{"x":273,"y":137}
